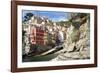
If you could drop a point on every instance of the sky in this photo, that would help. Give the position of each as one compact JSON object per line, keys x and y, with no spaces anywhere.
{"x":51,"y":15}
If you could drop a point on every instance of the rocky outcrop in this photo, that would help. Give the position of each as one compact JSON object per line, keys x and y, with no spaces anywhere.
{"x":77,"y":44}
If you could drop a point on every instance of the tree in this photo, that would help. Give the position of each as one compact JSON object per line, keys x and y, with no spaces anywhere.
{"x":28,"y":16}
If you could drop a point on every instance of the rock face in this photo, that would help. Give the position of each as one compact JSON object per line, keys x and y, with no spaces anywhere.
{"x":77,"y":44}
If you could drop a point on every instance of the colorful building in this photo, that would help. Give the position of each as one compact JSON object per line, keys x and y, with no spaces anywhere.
{"x":37,"y":36}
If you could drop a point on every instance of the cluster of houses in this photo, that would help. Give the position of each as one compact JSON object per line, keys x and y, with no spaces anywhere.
{"x":42,"y":31}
